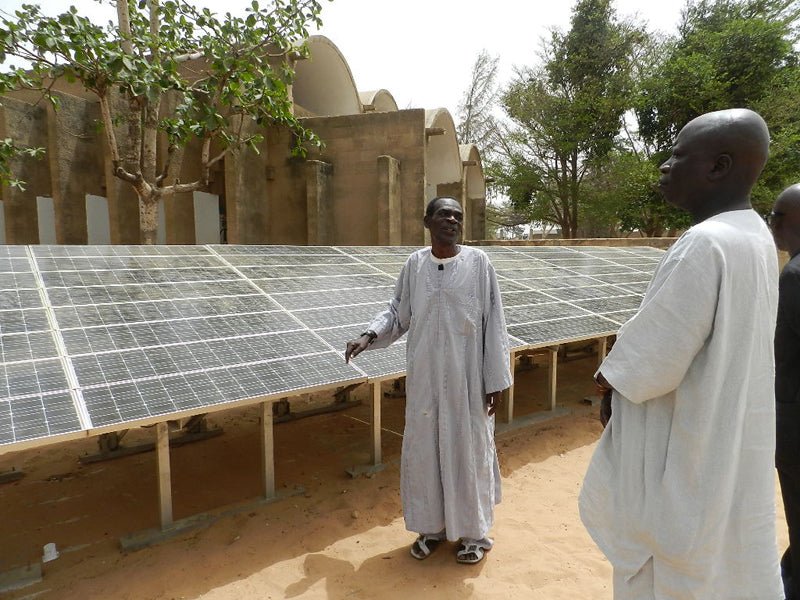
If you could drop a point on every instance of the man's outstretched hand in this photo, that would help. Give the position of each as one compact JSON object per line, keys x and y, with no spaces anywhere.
{"x":356,"y":347}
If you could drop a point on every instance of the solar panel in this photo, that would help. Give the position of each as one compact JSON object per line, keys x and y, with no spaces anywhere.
{"x":542,"y":312}
{"x":547,"y":333}
{"x":111,"y":336}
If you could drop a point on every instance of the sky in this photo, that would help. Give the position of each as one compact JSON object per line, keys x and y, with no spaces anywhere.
{"x":423,"y":51}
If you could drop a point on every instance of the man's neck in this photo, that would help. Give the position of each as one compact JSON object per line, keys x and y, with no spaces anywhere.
{"x":444,"y":250}
{"x":713,"y":209}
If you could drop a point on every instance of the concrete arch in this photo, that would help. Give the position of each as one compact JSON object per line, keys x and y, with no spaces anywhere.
{"x":442,"y":157}
{"x":474,"y":189}
{"x":474,"y":180}
{"x":378,"y":101}
{"x":323,"y":83}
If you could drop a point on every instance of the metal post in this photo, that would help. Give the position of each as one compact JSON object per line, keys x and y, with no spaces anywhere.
{"x":164,"y":476}
{"x":553,"y":379}
{"x":602,"y":348}
{"x":267,"y":451}
{"x":508,"y":395}
{"x":376,"y":423}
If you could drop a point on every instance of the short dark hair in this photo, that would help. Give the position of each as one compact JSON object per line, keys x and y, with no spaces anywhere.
{"x":431,"y":208}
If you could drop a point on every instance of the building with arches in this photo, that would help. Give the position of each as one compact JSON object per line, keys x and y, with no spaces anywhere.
{"x":368,"y":185}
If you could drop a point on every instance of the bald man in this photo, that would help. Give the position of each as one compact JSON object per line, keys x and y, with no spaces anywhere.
{"x":680,"y":492}
{"x":785,"y":223}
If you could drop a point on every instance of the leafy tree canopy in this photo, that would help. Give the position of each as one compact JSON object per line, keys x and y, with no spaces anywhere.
{"x":567,"y":113}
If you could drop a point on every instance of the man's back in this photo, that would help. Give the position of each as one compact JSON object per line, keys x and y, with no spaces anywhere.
{"x":684,"y":471}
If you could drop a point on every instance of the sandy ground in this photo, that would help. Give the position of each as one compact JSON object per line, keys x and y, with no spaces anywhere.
{"x":338,"y":538}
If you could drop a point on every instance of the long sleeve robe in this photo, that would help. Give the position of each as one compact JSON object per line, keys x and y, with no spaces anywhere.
{"x":684,"y":471}
{"x":457,"y":352}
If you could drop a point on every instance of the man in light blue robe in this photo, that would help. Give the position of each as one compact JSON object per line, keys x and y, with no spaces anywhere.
{"x":448,"y":300}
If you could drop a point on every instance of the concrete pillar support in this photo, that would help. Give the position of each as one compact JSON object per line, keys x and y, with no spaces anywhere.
{"x":267,"y":451}
{"x":164,"y":475}
{"x":552,"y":381}
{"x":508,"y":394}
{"x":376,"y":423}
{"x":389,"y":201}
{"x":319,"y":199}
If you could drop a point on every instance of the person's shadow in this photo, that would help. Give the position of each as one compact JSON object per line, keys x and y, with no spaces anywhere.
{"x":390,"y":575}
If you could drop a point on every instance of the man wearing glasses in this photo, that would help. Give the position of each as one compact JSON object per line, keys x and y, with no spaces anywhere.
{"x":785,"y":223}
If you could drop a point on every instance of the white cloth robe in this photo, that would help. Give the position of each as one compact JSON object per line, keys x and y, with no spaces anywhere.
{"x":457,"y":352}
{"x":684,"y":472}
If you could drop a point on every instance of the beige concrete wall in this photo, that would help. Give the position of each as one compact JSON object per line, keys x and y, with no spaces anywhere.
{"x":73,"y":140}
{"x":353,"y":144}
{"x":664,"y":242}
{"x":246,"y":186}
{"x":390,"y":196}
{"x":284,"y":202}
{"x":26,"y":124}
{"x":319,"y":203}
{"x":265,"y":194}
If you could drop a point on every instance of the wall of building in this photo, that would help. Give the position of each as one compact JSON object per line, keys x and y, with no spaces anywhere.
{"x":351,"y":162}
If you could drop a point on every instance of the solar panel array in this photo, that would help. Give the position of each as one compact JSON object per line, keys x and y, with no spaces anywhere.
{"x":97,"y":338}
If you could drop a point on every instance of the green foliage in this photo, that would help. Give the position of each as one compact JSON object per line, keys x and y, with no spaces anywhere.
{"x":621,"y":195}
{"x":218,"y":70}
{"x":569,"y":156}
{"x":567,"y":114}
{"x":728,"y":54}
{"x":9,"y":152}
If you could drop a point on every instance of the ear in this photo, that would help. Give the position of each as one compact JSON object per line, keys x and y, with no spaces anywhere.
{"x":722,"y":166}
{"x":427,"y":221}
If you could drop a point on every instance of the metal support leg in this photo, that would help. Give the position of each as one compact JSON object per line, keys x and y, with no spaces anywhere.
{"x":553,"y":378}
{"x":508,"y":395}
{"x":164,"y":476}
{"x":267,"y":451}
{"x":376,"y":423}
{"x":602,"y":348}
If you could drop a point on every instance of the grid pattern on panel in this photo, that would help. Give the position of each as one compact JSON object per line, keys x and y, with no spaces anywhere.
{"x":149,"y":331}
{"x":381,"y":362}
{"x":35,"y":398}
{"x":620,"y":317}
{"x":358,"y":315}
{"x":166,"y":333}
{"x":602,"y":306}
{"x":546,"y":333}
{"x":320,"y":284}
{"x":327,"y":298}
{"x":542,"y":312}
{"x":38,"y":416}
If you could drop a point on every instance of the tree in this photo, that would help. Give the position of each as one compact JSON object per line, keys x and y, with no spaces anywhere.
{"x":476,"y":123}
{"x":241,"y":69}
{"x":621,"y":195}
{"x":567,"y":113}
{"x":727,"y":54}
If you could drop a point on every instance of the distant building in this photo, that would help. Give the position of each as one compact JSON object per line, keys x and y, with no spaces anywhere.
{"x":367,"y":186}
